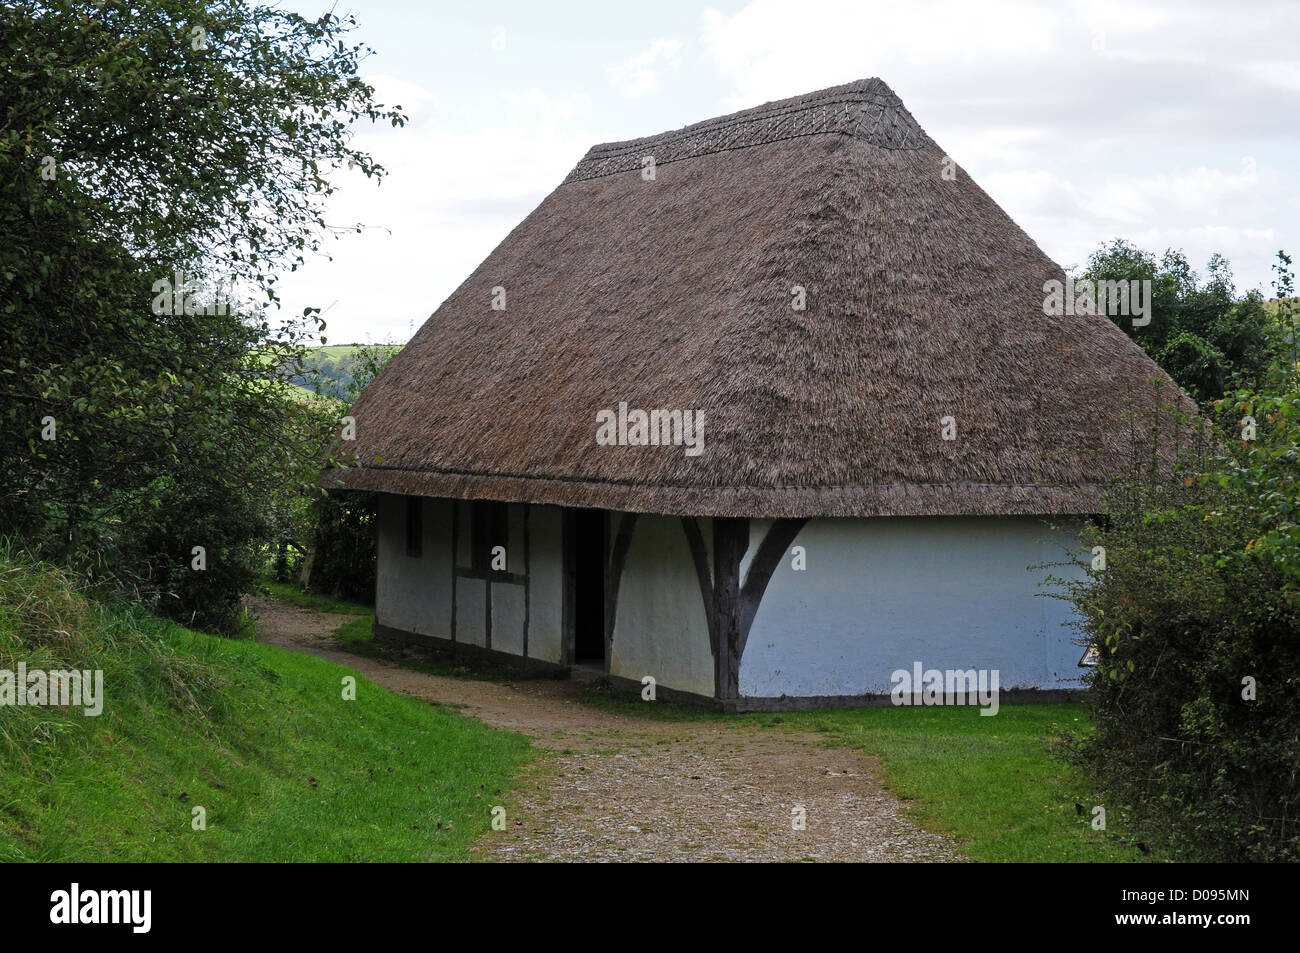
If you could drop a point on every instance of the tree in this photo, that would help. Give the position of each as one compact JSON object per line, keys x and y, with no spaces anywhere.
{"x":1196,"y":618}
{"x":1207,"y":339}
{"x":343,"y":557}
{"x":158,"y":159}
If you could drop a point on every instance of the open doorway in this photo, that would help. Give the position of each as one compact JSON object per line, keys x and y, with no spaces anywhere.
{"x":588,"y":562}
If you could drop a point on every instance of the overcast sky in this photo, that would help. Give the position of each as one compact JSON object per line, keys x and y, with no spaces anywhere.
{"x":1169,"y":124}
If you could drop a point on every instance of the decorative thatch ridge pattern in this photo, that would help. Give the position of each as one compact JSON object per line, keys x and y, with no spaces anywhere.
{"x":924,"y":301}
{"x":868,"y":111}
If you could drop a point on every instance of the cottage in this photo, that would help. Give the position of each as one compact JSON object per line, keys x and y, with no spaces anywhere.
{"x":892,"y":421}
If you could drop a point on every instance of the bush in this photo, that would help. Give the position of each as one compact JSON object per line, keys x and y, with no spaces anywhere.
{"x":343,"y":554}
{"x":343,"y":551}
{"x":1195,"y":697}
{"x":139,"y":423}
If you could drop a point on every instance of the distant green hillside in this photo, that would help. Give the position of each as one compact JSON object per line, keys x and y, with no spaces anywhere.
{"x":332,"y":368}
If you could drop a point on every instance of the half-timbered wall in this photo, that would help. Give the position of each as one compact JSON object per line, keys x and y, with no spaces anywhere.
{"x":716,"y":607}
{"x":448,"y":587}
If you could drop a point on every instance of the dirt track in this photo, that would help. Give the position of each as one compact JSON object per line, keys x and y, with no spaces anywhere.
{"x":619,"y":787}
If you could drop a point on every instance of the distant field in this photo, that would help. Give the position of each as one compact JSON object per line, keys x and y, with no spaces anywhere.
{"x":335,"y":364}
{"x":336,"y":351}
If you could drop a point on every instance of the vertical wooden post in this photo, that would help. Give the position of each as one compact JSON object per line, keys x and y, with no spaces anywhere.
{"x":569,"y":625}
{"x":730,"y":539}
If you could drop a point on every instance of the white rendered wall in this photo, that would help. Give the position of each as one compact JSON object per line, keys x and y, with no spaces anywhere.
{"x":508,"y":617}
{"x":471,"y":611}
{"x":546,"y":583}
{"x":661,"y":628}
{"x":414,"y":594}
{"x":881,"y":594}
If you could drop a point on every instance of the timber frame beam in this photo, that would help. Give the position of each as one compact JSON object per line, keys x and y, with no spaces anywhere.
{"x":729,"y":605}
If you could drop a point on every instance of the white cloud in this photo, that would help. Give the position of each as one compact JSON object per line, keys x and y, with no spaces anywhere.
{"x":1201,"y":193}
{"x":639,"y":74}
{"x":1046,"y":67}
{"x":450,"y":197}
{"x":1087,"y":121}
{"x":1201,"y":211}
{"x":1274,"y":73}
{"x":419,"y":105}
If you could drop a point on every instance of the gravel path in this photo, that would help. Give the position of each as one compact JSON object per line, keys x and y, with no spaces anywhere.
{"x":619,"y":788}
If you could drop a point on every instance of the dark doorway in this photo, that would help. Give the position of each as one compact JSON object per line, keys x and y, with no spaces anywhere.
{"x":588,"y":587}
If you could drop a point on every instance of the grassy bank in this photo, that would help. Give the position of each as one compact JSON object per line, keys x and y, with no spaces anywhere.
{"x":262,"y":739}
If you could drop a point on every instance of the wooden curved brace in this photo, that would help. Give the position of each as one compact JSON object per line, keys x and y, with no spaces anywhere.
{"x":695,"y":540}
{"x":613,"y":576}
{"x":780,"y":535}
{"x":729,"y":606}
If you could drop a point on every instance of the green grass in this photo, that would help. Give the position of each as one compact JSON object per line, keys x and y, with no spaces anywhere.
{"x":262,"y":738}
{"x":292,"y":595}
{"x":357,"y":632}
{"x":357,"y":636}
{"x":996,"y":783}
{"x":287,"y":769}
{"x":336,"y":351}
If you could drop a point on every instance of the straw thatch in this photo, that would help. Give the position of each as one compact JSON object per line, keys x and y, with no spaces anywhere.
{"x":924,"y":300}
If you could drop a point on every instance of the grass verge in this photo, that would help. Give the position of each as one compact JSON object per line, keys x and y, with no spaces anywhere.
{"x":356,"y":633}
{"x":357,"y":636}
{"x":998,"y":784}
{"x":283,"y":765}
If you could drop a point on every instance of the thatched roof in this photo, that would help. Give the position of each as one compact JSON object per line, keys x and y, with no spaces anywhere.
{"x":924,"y":300}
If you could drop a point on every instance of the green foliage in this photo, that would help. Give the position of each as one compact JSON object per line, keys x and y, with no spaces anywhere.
{"x":1207,"y":339}
{"x":1198,"y":366}
{"x":292,"y":595}
{"x":357,"y":632}
{"x":343,"y":371}
{"x":146,"y":143}
{"x":1261,"y":480}
{"x":286,"y":769}
{"x":1197,"y":694}
{"x":343,"y":555}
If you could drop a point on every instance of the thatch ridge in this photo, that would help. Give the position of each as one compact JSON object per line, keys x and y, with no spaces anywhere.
{"x":867,"y":110}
